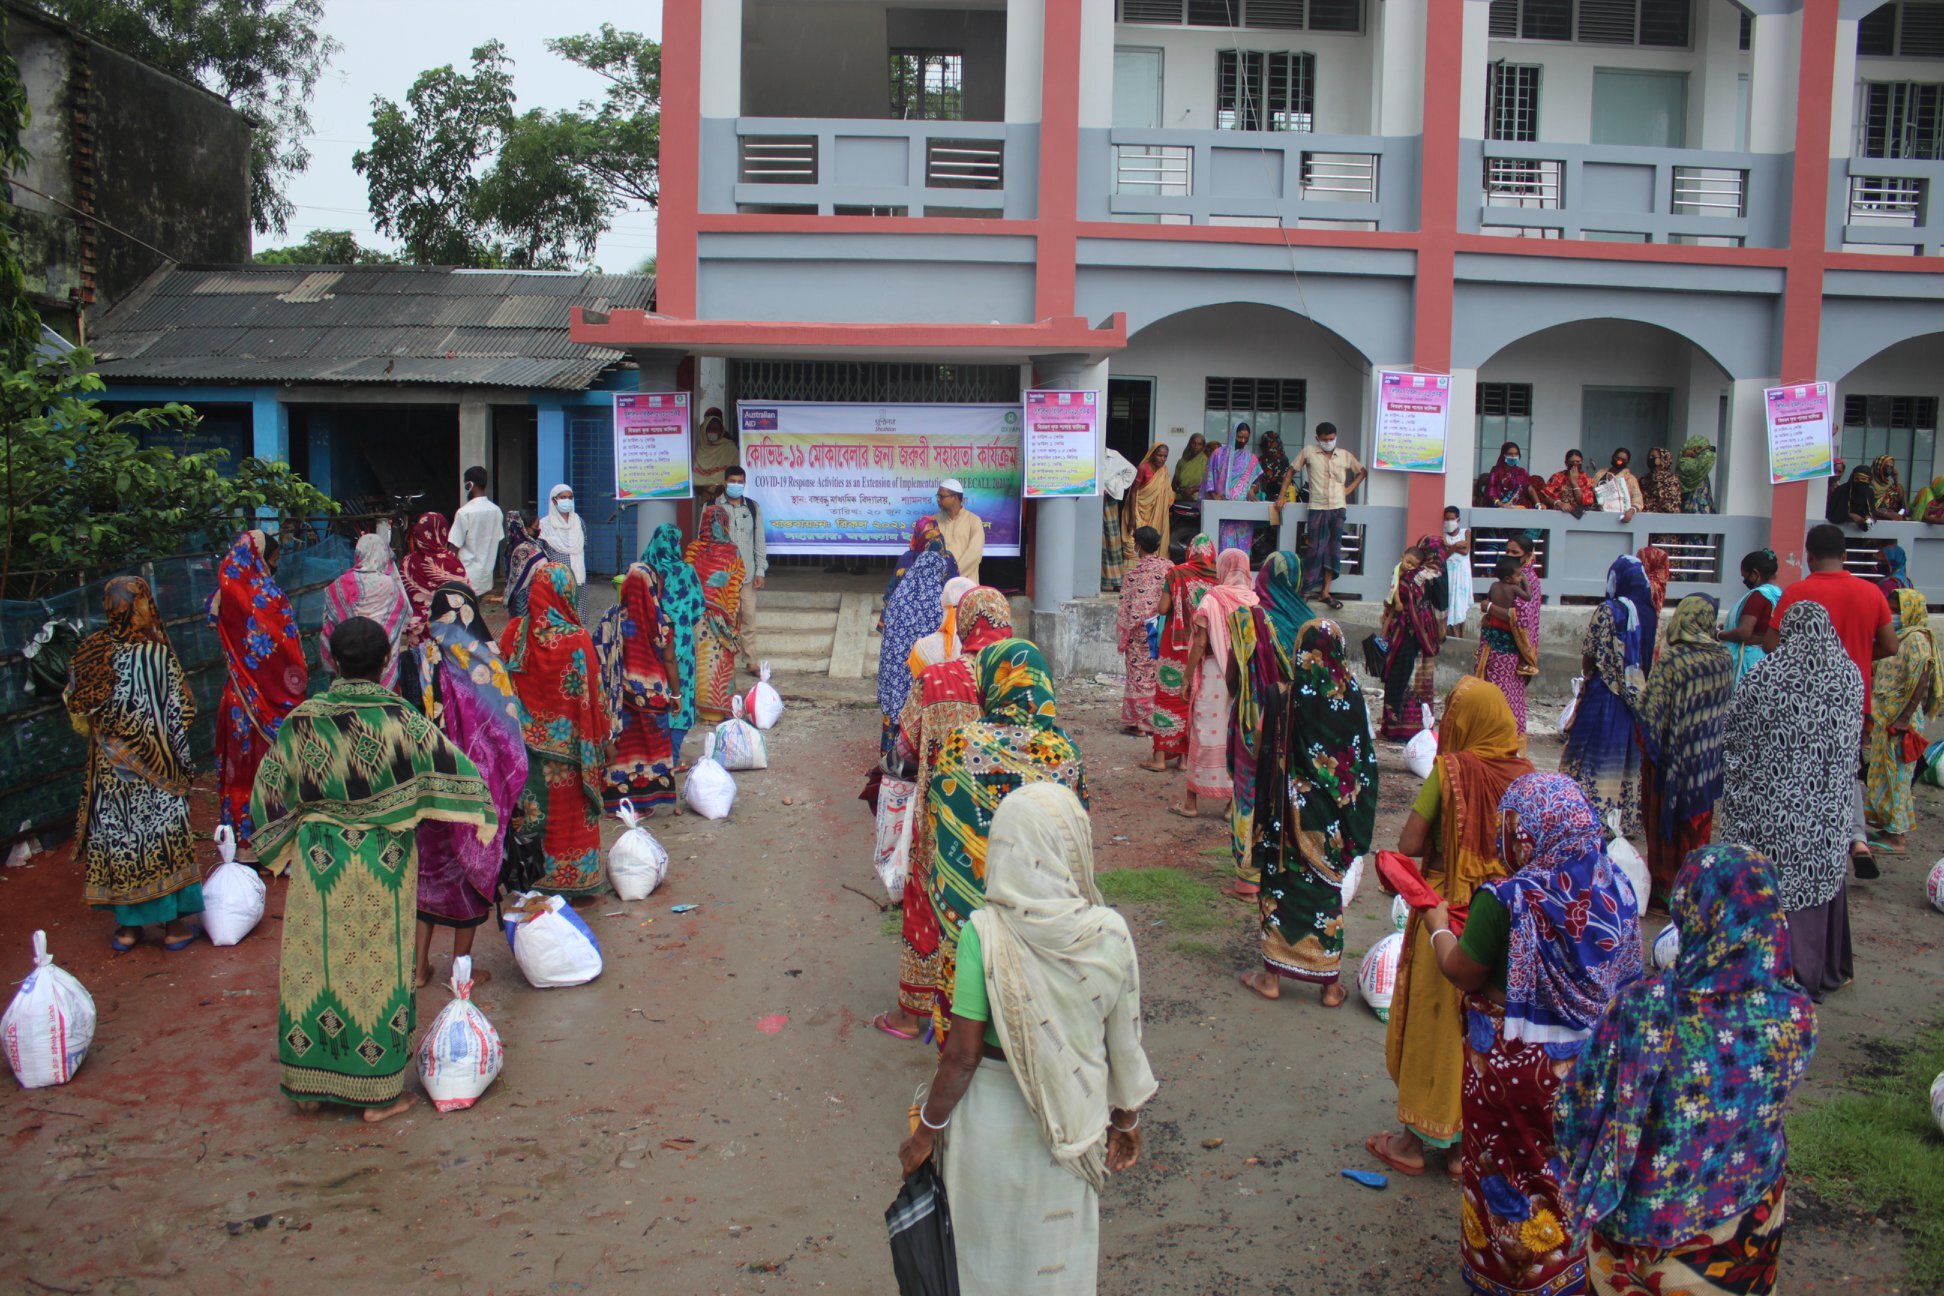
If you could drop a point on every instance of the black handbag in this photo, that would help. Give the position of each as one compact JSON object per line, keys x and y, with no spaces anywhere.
{"x":924,"y":1257}
{"x":1375,"y":650}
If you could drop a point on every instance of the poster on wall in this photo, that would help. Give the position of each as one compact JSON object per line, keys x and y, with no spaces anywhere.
{"x":1800,"y":432}
{"x":651,"y":447}
{"x":1062,"y":436}
{"x":843,"y":479}
{"x":1413,"y":420}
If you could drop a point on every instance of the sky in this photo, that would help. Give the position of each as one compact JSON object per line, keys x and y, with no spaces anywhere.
{"x":388,"y":43}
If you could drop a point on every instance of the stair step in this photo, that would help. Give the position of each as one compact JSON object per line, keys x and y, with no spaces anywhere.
{"x":784,"y":669}
{"x":792,"y":643}
{"x":799,"y":600}
{"x":791,"y":618}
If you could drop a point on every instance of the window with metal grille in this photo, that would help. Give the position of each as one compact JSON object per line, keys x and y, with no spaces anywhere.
{"x":1903,"y":30}
{"x":1903,"y":427}
{"x":1268,"y":15}
{"x":1504,"y":413}
{"x":1265,"y":404}
{"x":1265,"y":90}
{"x":1512,"y":102}
{"x":927,"y":85}
{"x":1654,"y":23}
{"x":1903,"y":119}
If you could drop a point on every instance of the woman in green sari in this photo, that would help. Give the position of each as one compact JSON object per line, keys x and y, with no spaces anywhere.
{"x":337,"y":801}
{"x":1694,"y":468}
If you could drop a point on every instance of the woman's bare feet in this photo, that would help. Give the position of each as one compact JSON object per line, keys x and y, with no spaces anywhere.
{"x":481,"y":975}
{"x":1262,"y":983}
{"x":307,"y":1108}
{"x":373,"y":1115}
{"x":1334,"y":994}
{"x":1155,"y":765}
{"x":1188,"y":809}
{"x":424,"y":975}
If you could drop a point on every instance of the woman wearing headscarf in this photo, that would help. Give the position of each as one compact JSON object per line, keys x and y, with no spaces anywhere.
{"x":1454,"y":826}
{"x":718,"y":638}
{"x":942,"y":644}
{"x":640,"y":679}
{"x":914,"y":610}
{"x":267,"y":675}
{"x":1542,"y":954}
{"x":563,"y":533}
{"x":1853,"y":503}
{"x":469,"y":696}
{"x":1618,"y":471}
{"x":556,"y":677}
{"x":1498,"y":650}
{"x":1140,"y":599}
{"x":945,"y":696}
{"x":1601,"y":753}
{"x":1658,"y":567}
{"x":1886,"y":491}
{"x":524,"y":554}
{"x":1660,"y":489}
{"x":1893,"y":572}
{"x":430,"y":561}
{"x":1148,"y":500}
{"x":1414,"y":623}
{"x":1685,"y":1063}
{"x":1906,"y":693}
{"x":1273,"y":463}
{"x":1043,"y":1078}
{"x":1695,"y":470}
{"x":1017,"y":740}
{"x":682,"y":607}
{"x":716,"y":452}
{"x":1319,"y":812}
{"x":1747,"y":627}
{"x":1187,"y":583}
{"x":1929,"y":504}
{"x":1189,"y":472}
{"x":1683,"y":722}
{"x":1262,"y":647}
{"x":1209,"y":712}
{"x":371,"y":589}
{"x":1570,"y":490}
{"x":1231,"y":475}
{"x":1794,"y":729}
{"x":925,"y":538}
{"x":126,"y":695}
{"x":1507,"y":484}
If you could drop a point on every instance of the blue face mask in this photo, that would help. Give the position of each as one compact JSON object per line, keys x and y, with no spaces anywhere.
{"x":733,"y":490}
{"x":1511,"y":461}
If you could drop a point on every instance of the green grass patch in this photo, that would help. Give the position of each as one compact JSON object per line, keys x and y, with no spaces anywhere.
{"x":1875,"y":1150}
{"x":1196,"y":948}
{"x":893,"y":924}
{"x":1187,"y":903}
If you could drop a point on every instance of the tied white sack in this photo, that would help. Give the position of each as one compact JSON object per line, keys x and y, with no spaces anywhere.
{"x":49,"y":1025}
{"x":739,"y":744}
{"x":1352,"y":877}
{"x":636,"y":862}
{"x":1421,"y":753}
{"x":551,"y":943}
{"x":896,"y":808}
{"x":1934,"y":886}
{"x":233,"y":894}
{"x":461,"y":1053}
{"x":1572,"y":705}
{"x":1667,"y":947}
{"x":1377,"y":974}
{"x":765,"y":703}
{"x":1400,"y":912}
{"x":1624,"y":857}
{"x":710,"y":790}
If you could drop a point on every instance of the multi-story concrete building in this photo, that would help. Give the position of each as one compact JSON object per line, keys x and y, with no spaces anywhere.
{"x":1612,"y":222}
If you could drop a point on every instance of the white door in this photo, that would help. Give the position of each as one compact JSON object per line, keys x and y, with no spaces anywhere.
{"x":1137,"y":87}
{"x":1644,"y":109}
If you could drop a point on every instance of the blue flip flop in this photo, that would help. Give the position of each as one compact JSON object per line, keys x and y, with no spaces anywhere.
{"x":184,"y":943}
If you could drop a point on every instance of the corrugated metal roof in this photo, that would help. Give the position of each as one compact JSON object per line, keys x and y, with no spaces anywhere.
{"x":361,"y":324}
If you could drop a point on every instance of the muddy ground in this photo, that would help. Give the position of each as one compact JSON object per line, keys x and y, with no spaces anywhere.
{"x":646,"y":1135}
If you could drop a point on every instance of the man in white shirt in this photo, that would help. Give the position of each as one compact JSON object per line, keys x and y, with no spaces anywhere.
{"x":477,"y":529}
{"x":963,"y":529}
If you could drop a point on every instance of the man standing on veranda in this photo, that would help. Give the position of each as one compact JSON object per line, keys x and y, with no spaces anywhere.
{"x":338,"y":800}
{"x":963,"y":529}
{"x":477,"y":529}
{"x":1333,"y":475}
{"x":746,"y":529}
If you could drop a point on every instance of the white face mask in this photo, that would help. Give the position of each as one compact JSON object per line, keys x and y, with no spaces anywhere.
{"x":565,"y":507}
{"x":1328,"y":443}
{"x":1451,"y":528}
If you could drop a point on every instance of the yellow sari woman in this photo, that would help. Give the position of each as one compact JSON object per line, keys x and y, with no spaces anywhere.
{"x":1148,"y":500}
{"x":1906,"y":692}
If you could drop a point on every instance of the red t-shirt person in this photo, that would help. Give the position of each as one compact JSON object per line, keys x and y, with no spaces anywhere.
{"x":1857,"y":609}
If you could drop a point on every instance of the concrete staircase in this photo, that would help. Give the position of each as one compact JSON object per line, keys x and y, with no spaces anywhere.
{"x":816,"y":632}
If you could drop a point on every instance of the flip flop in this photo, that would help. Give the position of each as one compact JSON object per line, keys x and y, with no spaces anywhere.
{"x":1242,"y":978}
{"x":883,"y":1022}
{"x":1335,"y":604}
{"x":1185,"y":814}
{"x":184,"y":943}
{"x":1382,"y":1152}
{"x":1877,"y":844}
{"x":119,"y":948}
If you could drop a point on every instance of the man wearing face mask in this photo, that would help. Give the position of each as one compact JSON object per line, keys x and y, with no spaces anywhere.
{"x":746,"y":529}
{"x":1333,"y":475}
{"x":477,"y":529}
{"x":1618,"y":472}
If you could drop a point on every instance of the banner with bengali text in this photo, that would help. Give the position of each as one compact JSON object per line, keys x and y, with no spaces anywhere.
{"x":1062,"y":435}
{"x":1801,"y":432}
{"x":839,"y":479}
{"x":651,"y":447}
{"x":1413,"y":421}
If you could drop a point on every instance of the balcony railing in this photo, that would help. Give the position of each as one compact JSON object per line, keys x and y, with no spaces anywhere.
{"x":871,"y":167}
{"x":1640,"y":195}
{"x":1887,"y":205}
{"x":1236,"y":177}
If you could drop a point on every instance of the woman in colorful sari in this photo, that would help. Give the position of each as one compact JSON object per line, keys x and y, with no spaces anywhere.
{"x":926,"y":538}
{"x":267,"y":675}
{"x":1543,"y":953}
{"x":1209,"y":713}
{"x":127,"y":696}
{"x":1414,"y":622}
{"x":1017,"y":741}
{"x":371,"y":589}
{"x":1454,"y":826}
{"x":1262,"y":649}
{"x":1231,"y":475}
{"x":1683,"y":722}
{"x":1188,"y":474}
{"x":1508,"y":484}
{"x":1659,"y":569}
{"x":717,"y":636}
{"x":346,"y":828}
{"x":1148,"y":499}
{"x":942,"y":644}
{"x":1746,"y":631}
{"x":1498,"y":650}
{"x":524,"y":554}
{"x":1687,"y":1062}
{"x":640,"y":679}
{"x":1695,"y":469}
{"x":556,"y":677}
{"x":1324,"y":812}
{"x":429,"y":563}
{"x":916,"y":609}
{"x":1794,"y":730}
{"x":1187,"y":583}
{"x":1140,"y":598}
{"x":1570,"y":490}
{"x":1906,"y":693}
{"x":945,"y":696}
{"x":682,"y":607}
{"x":469,"y":696}
{"x":1660,"y":489}
{"x":1886,"y":491}
{"x":1893,"y":572}
{"x":1601,"y":753}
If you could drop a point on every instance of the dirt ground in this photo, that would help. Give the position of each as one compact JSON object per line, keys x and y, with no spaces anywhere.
{"x":648,"y":1135}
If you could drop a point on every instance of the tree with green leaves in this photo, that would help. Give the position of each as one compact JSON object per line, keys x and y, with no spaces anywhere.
{"x":263,"y":56}
{"x":622,"y":133}
{"x":325,"y":247}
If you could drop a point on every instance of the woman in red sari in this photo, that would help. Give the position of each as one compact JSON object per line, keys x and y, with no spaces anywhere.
{"x":717,"y":643}
{"x":638,"y":674}
{"x":565,"y":723}
{"x":430,"y":562}
{"x":944,"y":696}
{"x":1186,"y":584}
{"x":267,"y":676}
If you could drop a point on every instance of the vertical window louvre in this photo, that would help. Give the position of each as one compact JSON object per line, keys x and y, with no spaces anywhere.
{"x":1903,"y":427}
{"x":1876,"y":34}
{"x":1547,"y":20}
{"x":1151,"y":11}
{"x":1920,"y":31}
{"x":1277,"y":15}
{"x":1512,"y":102}
{"x":1504,"y":413}
{"x":1214,"y":13}
{"x":1268,"y":15}
{"x":1664,"y":23}
{"x":1606,"y":22}
{"x":1504,"y":23}
{"x":1333,"y":15}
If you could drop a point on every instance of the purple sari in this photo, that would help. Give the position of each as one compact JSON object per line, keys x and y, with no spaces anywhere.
{"x":469,"y":696}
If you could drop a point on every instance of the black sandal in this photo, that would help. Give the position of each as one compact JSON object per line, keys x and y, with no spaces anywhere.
{"x":1864,"y":862}
{"x":1335,"y":604}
